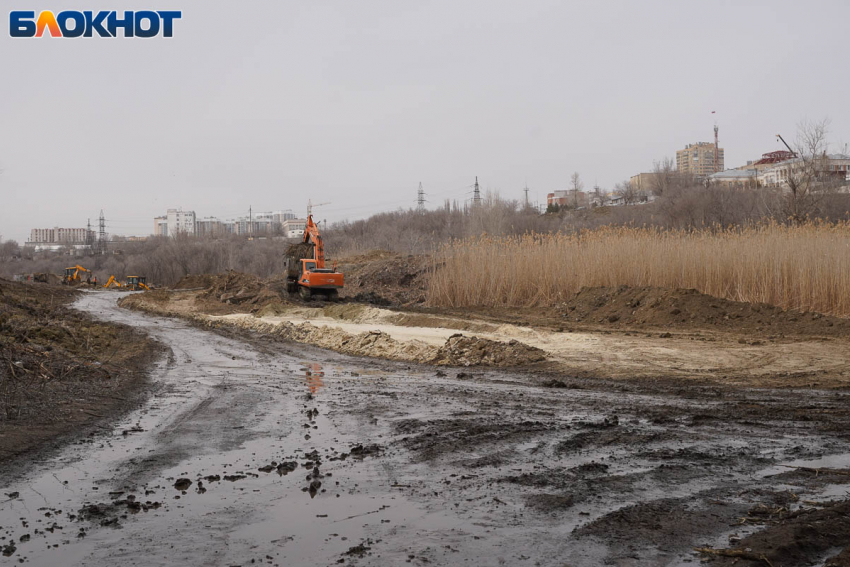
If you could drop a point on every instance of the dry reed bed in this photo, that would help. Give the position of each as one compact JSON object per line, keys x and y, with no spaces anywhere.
{"x":804,"y":267}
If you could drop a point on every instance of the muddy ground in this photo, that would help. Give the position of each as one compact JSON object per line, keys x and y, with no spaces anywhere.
{"x":626,"y":333}
{"x":60,"y":370}
{"x":257,"y":450}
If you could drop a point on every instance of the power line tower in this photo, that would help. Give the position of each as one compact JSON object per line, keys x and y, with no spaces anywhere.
{"x":420,"y":199}
{"x":476,"y":193}
{"x":101,"y":234}
{"x":89,"y":238}
{"x":527,"y":204}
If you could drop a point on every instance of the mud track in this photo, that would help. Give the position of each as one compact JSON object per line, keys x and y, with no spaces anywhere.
{"x":257,"y":451}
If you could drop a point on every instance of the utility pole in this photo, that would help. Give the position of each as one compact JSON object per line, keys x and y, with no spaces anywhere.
{"x":476,"y":193}
{"x":101,"y":234}
{"x":420,"y":199}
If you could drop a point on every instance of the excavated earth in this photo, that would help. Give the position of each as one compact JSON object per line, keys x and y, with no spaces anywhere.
{"x":255,"y":449}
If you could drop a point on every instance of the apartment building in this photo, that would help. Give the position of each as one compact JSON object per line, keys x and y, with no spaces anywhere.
{"x":58,"y":235}
{"x":160,"y":226}
{"x":698,"y":159}
{"x":294,"y":228}
{"x":180,"y":222}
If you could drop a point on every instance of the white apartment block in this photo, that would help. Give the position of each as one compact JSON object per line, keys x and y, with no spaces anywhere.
{"x":58,"y":235}
{"x":180,"y":222}
{"x":294,"y":228}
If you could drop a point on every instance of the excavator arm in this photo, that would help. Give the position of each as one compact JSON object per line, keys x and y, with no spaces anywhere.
{"x":311,"y":235}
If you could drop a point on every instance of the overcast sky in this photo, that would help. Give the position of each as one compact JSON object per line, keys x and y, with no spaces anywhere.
{"x":267,"y":104}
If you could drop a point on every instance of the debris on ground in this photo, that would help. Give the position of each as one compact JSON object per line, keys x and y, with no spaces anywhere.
{"x":474,"y":351}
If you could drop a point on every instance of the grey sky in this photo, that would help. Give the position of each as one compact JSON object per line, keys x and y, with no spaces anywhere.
{"x":355,"y":102}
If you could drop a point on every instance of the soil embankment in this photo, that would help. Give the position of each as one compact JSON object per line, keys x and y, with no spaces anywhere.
{"x":627,"y":333}
{"x":61,"y":370}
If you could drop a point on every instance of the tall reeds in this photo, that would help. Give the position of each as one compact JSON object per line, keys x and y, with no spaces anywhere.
{"x":804,"y":267}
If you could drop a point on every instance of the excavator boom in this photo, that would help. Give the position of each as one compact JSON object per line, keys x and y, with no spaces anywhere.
{"x":311,"y":235}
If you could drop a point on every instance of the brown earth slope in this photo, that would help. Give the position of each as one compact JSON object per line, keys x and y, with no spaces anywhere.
{"x":60,"y":369}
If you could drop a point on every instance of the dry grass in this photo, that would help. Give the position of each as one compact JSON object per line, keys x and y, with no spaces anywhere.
{"x":803,"y":267}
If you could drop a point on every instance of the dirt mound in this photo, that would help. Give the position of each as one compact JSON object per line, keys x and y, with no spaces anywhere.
{"x":473,"y":351}
{"x":194,"y":281}
{"x":652,"y":307}
{"x":61,"y":367}
{"x":382,"y":277}
{"x":233,"y":287}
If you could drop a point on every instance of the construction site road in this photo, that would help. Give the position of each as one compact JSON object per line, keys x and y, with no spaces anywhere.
{"x":255,"y":451}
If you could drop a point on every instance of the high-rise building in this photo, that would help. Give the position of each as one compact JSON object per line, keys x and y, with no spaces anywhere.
{"x":209,"y":226}
{"x":180,"y":222}
{"x":698,"y":159}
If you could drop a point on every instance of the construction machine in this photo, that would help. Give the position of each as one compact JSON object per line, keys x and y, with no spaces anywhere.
{"x":135,"y":283}
{"x":74,"y":275}
{"x":112,"y":282}
{"x":306,"y":272}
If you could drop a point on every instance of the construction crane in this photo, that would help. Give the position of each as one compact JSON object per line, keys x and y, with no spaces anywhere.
{"x":310,"y":206}
{"x":786,"y":144}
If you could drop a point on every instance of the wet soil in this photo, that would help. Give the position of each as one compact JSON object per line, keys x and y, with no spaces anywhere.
{"x":60,"y":370}
{"x":262,"y":451}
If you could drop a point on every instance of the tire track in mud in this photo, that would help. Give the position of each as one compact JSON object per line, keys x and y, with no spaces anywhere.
{"x":434,"y":467}
{"x":603,"y":473}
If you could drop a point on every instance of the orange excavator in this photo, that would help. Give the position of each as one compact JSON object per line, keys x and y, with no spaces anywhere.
{"x":306,"y":272}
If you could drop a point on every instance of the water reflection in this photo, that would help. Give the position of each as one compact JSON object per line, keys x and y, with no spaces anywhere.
{"x":314,"y":374}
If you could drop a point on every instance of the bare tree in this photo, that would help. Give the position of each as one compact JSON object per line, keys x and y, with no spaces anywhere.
{"x":627,"y":192}
{"x":807,"y":176}
{"x":576,"y":186}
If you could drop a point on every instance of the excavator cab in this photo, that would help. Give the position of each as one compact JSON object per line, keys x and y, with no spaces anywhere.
{"x":318,"y":281}
{"x":136,"y":283}
{"x":72,"y":274}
